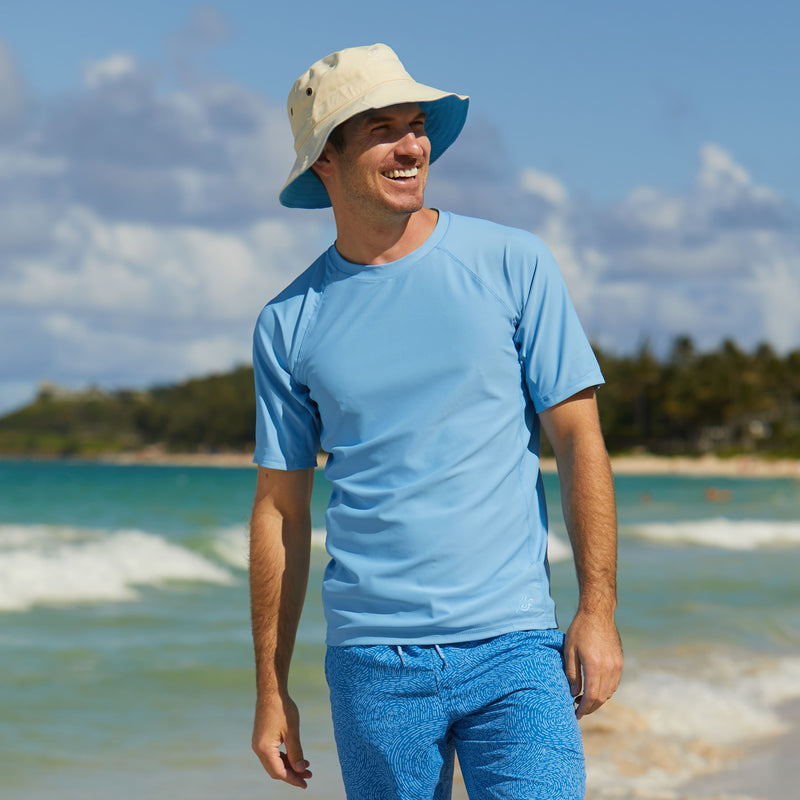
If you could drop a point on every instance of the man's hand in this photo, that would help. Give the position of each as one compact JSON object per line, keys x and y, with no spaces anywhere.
{"x":592,"y":660}
{"x":277,"y":723}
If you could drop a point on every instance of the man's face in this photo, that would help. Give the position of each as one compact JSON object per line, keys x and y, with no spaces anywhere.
{"x":383,"y":166}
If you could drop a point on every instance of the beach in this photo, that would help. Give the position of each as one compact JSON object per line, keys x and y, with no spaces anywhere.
{"x":124,"y":625}
{"x":638,"y":464}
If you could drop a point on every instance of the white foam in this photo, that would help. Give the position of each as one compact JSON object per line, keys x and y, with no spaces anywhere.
{"x":55,"y":565}
{"x":725,"y":698}
{"x":557,"y":549}
{"x":668,"y":724}
{"x":687,"y":708}
{"x":318,"y":538}
{"x":724,"y":533}
{"x":232,"y":545}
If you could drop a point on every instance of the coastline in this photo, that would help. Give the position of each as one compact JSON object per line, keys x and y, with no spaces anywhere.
{"x":639,"y":464}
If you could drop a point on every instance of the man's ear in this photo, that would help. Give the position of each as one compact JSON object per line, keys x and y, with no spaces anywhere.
{"x":323,"y":166}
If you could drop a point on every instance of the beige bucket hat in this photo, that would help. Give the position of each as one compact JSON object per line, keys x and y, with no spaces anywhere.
{"x":344,"y":84}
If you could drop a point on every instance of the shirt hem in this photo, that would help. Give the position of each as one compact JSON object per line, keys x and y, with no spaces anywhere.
{"x":459,"y":637}
{"x":592,"y":379}
{"x":283,"y":465}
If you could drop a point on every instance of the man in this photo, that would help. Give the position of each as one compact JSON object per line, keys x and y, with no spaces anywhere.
{"x":423,"y":351}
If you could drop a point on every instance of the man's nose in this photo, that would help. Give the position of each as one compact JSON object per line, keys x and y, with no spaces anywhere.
{"x":409,"y":144}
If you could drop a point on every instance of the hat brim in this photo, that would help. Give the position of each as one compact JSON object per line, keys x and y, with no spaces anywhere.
{"x":446,"y":114}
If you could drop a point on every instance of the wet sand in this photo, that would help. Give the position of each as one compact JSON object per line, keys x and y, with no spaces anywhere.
{"x":766,"y":771}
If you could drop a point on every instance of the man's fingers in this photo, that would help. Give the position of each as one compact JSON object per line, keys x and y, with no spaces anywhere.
{"x":296,"y":772}
{"x":600,"y":681}
{"x":278,"y":766}
{"x":572,"y":669}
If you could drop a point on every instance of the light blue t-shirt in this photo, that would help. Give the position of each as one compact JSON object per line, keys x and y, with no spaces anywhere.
{"x":422,"y":378}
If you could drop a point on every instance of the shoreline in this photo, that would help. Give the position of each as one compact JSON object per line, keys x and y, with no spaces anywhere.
{"x":639,"y":464}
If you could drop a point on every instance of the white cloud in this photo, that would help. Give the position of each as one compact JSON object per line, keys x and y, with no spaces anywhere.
{"x":719,"y":261}
{"x":719,"y":173}
{"x":109,"y":70}
{"x":116,"y":303}
{"x":545,"y":186}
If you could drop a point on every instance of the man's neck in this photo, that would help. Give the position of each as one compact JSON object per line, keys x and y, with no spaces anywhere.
{"x":381,"y":241}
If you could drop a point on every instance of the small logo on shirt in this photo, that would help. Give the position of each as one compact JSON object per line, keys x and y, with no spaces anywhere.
{"x":526,"y":605}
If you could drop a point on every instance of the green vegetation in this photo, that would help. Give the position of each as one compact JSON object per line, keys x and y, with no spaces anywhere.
{"x":726,"y":402}
{"x":205,"y":415}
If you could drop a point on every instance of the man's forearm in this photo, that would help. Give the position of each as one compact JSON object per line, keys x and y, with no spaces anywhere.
{"x":587,"y":496}
{"x":279,"y":564}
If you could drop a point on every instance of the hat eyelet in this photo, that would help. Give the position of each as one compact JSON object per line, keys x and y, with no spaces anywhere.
{"x":309,"y":91}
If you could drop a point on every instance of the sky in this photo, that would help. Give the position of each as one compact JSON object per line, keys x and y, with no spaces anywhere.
{"x":653,"y":146}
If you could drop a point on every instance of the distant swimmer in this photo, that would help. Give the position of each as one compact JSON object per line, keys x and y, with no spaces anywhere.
{"x":714,"y":495}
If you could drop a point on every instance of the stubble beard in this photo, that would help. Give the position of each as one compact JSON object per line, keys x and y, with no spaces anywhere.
{"x":379,"y":205}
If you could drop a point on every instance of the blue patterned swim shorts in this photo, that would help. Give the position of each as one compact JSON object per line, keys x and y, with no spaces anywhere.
{"x":502,"y":704}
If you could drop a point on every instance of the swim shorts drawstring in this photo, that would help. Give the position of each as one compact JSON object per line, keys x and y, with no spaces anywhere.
{"x":399,"y":650}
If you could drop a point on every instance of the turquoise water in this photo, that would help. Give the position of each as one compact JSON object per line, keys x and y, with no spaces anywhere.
{"x":126,"y":654}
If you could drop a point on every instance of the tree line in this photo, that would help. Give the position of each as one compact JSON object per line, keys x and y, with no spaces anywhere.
{"x":725,"y":401}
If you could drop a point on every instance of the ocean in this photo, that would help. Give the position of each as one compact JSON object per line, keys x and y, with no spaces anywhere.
{"x":127,"y":661}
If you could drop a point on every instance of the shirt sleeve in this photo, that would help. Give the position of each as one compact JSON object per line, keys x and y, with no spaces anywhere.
{"x":556,"y":356}
{"x":287,"y":421}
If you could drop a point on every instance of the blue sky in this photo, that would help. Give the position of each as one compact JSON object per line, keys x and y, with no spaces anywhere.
{"x":652,"y":145}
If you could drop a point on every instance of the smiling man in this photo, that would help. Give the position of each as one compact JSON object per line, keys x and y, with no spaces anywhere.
{"x":425,"y":351}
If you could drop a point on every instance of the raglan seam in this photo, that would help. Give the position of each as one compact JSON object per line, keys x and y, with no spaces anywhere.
{"x":480,"y":281}
{"x":312,"y":318}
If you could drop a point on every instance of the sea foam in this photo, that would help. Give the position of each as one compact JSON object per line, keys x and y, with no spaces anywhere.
{"x":232,"y":546}
{"x":674,"y":721}
{"x":57,"y":565}
{"x":723,"y":533}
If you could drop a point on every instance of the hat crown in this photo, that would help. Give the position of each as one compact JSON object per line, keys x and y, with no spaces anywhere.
{"x":336,"y":80}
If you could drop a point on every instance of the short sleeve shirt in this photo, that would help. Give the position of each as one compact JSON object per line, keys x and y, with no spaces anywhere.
{"x":423,"y":379}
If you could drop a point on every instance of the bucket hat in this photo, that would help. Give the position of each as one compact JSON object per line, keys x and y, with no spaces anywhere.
{"x":344,"y":84}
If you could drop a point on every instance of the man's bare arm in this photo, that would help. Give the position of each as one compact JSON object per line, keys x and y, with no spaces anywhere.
{"x":592,"y":650}
{"x":280,"y":543}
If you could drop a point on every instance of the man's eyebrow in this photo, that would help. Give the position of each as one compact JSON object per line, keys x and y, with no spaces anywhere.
{"x":371,"y":118}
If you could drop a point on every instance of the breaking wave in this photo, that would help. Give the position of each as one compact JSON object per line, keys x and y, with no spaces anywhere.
{"x":723,"y":533}
{"x":58,"y":565}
